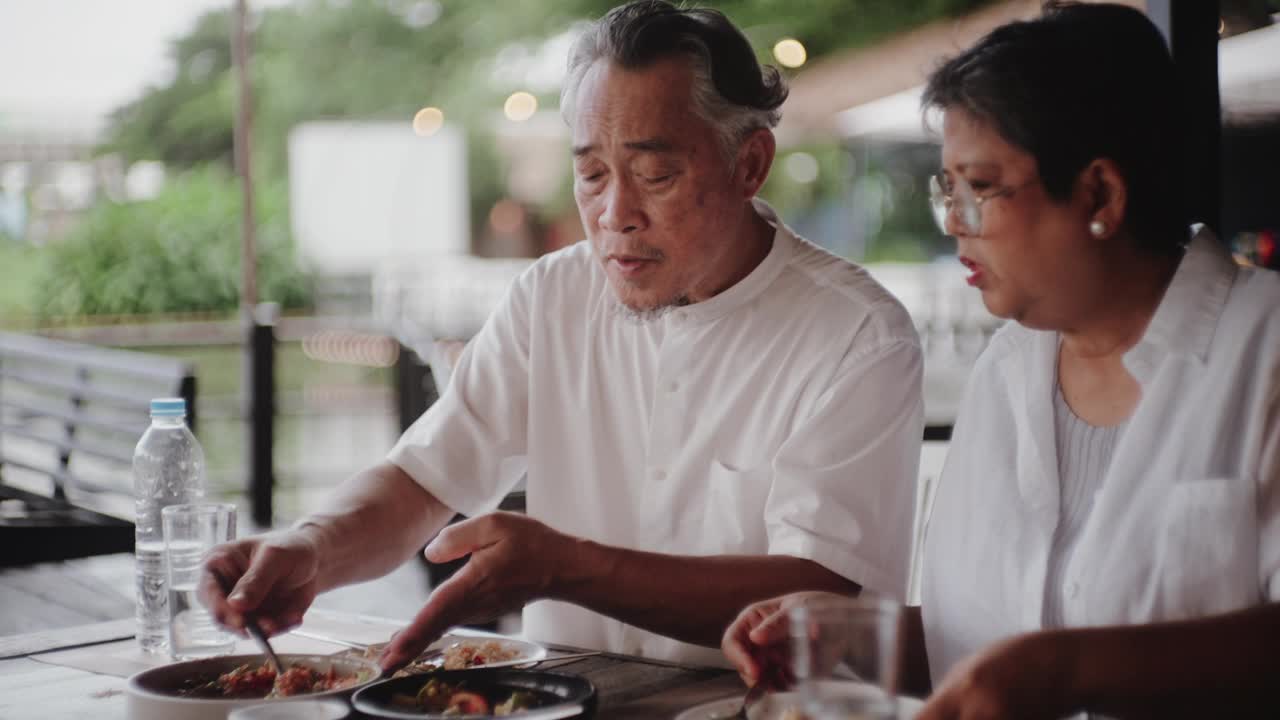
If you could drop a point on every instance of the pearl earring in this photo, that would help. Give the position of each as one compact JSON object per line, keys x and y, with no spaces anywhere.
{"x":1098,"y":228}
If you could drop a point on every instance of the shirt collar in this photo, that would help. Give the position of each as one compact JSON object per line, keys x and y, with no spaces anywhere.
{"x":754,"y":283}
{"x":1187,"y":317}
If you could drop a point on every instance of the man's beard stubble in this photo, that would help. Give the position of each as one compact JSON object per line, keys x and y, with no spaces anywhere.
{"x":643,"y":315}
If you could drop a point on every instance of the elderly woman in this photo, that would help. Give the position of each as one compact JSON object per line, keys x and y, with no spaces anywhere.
{"x":1106,"y":533}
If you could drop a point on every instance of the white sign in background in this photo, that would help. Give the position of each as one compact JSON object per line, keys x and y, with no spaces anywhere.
{"x":365,"y":194}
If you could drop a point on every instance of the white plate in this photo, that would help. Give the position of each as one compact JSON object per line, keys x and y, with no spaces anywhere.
{"x":772,"y":706}
{"x":526,"y":651}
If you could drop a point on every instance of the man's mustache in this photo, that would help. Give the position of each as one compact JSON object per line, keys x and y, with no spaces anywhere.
{"x":641,"y":252}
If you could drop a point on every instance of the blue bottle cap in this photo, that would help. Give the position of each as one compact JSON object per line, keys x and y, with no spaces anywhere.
{"x":169,"y":407}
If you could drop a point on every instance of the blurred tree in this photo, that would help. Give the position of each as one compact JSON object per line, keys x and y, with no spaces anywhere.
{"x":187,"y":122}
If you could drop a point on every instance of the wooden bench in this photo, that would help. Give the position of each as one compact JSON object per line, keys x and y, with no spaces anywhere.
{"x":70,"y":415}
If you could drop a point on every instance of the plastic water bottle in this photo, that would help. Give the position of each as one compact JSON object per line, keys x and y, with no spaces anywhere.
{"x":168,"y":469}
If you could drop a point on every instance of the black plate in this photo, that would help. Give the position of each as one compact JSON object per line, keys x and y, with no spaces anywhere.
{"x":375,"y":700}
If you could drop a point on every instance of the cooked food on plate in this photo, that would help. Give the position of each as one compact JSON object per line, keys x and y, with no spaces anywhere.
{"x":463,"y":655}
{"x":469,"y":654}
{"x":437,"y":696}
{"x":260,"y":681}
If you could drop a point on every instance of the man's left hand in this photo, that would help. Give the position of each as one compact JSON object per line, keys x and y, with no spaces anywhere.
{"x":514,"y":559}
{"x":1020,"y":678}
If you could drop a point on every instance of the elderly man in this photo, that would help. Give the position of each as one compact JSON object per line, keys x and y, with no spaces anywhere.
{"x":710,"y":409}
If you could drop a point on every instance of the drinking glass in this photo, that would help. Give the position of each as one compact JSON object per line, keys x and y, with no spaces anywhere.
{"x":844,"y":656}
{"x":190,"y":532}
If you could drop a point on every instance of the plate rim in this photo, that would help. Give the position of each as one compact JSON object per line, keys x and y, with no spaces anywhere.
{"x":707,"y":708}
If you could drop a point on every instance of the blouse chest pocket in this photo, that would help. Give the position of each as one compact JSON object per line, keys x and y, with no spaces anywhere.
{"x":1206,"y":545}
{"x":733,"y":521}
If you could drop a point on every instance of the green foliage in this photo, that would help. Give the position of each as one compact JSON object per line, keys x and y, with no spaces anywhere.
{"x":179,"y":252}
{"x":789,"y":196}
{"x":19,"y":264}
{"x":825,"y":26}
{"x":894,"y":180}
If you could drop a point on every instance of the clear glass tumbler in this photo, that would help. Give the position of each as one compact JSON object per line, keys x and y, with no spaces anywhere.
{"x":190,"y":532}
{"x":844,"y":656}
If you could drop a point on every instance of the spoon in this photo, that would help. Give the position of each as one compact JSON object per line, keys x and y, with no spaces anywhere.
{"x":255,"y":631}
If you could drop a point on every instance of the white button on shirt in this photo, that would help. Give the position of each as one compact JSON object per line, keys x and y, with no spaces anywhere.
{"x":795,"y":429}
{"x":1187,"y":520}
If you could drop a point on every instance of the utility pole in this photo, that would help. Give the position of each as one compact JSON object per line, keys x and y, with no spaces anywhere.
{"x":257,"y":320}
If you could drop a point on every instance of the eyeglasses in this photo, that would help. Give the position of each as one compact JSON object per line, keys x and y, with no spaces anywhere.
{"x":947,"y":195}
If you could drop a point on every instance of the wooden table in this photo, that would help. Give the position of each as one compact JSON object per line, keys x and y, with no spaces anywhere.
{"x":628,"y":687}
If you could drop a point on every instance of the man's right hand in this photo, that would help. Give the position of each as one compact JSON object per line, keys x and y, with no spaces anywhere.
{"x":272,"y":576}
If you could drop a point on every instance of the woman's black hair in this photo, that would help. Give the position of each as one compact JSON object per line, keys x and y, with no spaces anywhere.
{"x":1079,"y":83}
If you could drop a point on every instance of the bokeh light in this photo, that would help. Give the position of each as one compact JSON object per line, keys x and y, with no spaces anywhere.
{"x":520,"y":106}
{"x":801,"y":167}
{"x":428,"y":121}
{"x":506,"y":216}
{"x":790,"y":53}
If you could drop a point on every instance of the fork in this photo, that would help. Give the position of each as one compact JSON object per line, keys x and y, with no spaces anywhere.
{"x":570,"y":656}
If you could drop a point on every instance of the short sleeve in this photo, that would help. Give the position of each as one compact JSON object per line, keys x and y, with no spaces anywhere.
{"x":462,"y":448}
{"x":845,"y":482}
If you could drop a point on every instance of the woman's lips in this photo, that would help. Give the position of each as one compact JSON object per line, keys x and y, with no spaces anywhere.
{"x":975,"y":271}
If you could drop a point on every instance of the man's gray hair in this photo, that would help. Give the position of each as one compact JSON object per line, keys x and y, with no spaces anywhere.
{"x":731,"y":90}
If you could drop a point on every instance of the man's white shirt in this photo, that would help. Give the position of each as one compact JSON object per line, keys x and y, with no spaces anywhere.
{"x":782,"y":416}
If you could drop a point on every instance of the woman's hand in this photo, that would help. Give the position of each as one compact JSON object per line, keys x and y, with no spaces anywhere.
{"x":757,"y":643}
{"x":1021,"y":678}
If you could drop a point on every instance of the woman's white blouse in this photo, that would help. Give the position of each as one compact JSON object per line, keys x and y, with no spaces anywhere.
{"x":1187,"y":521}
